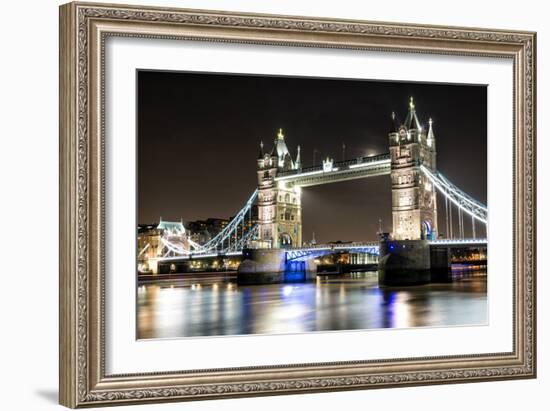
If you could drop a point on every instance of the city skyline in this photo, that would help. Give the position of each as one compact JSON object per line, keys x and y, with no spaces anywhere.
{"x":199,"y":136}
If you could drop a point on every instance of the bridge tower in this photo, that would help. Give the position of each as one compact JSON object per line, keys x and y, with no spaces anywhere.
{"x":414,"y":208}
{"x":279,"y":203}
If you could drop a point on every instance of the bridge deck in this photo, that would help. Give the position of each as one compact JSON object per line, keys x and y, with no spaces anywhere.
{"x":371,"y":247}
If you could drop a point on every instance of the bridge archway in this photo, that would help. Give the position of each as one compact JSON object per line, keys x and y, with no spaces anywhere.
{"x":427,"y":230}
{"x":285,"y":240}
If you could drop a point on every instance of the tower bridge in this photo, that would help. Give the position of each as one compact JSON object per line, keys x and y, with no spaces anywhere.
{"x":275,"y":236}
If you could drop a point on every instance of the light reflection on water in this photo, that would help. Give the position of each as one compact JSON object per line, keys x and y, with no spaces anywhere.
{"x":217,"y":306}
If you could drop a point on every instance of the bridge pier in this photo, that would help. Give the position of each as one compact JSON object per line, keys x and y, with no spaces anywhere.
{"x":404,"y":262}
{"x":269,"y":266}
{"x":153,"y":266}
{"x":440,"y":261}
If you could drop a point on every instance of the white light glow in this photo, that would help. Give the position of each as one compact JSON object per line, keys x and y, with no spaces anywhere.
{"x":444,"y":192}
{"x":371,"y":163}
{"x":293,"y":176}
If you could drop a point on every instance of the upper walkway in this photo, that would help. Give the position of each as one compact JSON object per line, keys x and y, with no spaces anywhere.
{"x":332,"y":172}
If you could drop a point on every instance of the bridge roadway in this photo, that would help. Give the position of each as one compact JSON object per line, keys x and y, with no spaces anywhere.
{"x":303,"y":253}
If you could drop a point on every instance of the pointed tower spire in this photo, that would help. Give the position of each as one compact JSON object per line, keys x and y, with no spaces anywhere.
{"x":430,"y":139}
{"x":411,"y":122}
{"x":261,"y":153}
{"x":343,"y":151}
{"x":395,"y":121}
{"x":298,"y":162}
{"x":281,"y":151}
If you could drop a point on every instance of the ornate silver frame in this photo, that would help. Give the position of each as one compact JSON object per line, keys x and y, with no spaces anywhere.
{"x":83,"y":30}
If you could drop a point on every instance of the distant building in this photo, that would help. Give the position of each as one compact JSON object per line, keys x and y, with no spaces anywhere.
{"x":201,"y":231}
{"x":312,"y":242}
{"x":250,"y":222}
{"x":148,"y":241}
{"x":149,"y":238}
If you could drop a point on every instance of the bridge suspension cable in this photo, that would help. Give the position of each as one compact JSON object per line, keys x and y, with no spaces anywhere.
{"x":460,"y":224}
{"x":233,"y":238}
{"x":446,"y":216}
{"x":231,"y":229}
{"x":173,"y":248}
{"x":450,"y":218}
{"x":457,"y":197}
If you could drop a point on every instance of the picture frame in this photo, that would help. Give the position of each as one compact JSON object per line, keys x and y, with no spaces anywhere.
{"x":84,"y":30}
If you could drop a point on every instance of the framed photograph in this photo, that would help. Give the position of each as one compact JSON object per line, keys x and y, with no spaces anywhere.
{"x":259,"y":204}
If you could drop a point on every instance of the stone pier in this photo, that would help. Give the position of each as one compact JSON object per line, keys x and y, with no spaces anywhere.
{"x":269,"y":266}
{"x":404,"y":262}
{"x":440,"y":261}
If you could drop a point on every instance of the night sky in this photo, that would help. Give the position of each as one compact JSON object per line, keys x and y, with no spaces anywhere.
{"x":199,"y":136}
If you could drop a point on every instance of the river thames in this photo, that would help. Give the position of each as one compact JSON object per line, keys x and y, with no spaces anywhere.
{"x":200,"y":306}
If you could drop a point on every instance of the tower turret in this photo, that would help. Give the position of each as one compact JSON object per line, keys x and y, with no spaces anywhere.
{"x":298,"y":162}
{"x":281,"y":151}
{"x":395,"y":122}
{"x":261,"y":153}
{"x":411,"y":121}
{"x":430,"y":139}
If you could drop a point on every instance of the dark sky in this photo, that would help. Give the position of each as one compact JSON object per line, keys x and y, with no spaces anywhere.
{"x":199,"y":135}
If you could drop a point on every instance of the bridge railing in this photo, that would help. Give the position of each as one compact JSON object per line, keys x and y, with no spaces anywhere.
{"x":443,"y":241}
{"x":297,"y":254}
{"x":336,"y":246}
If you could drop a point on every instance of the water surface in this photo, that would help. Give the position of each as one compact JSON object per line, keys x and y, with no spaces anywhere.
{"x":198,"y":306}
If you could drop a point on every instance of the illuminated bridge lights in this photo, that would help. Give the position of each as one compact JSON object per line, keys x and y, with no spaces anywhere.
{"x":338,"y":171}
{"x":240,"y":232}
{"x":298,"y":254}
{"x":385,"y":161}
{"x":231,"y":228}
{"x":305,"y":253}
{"x":460,"y":241}
{"x":459,"y":198}
{"x":199,"y":255}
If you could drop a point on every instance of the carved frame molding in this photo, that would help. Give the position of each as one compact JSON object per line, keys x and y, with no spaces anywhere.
{"x":83,"y":30}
